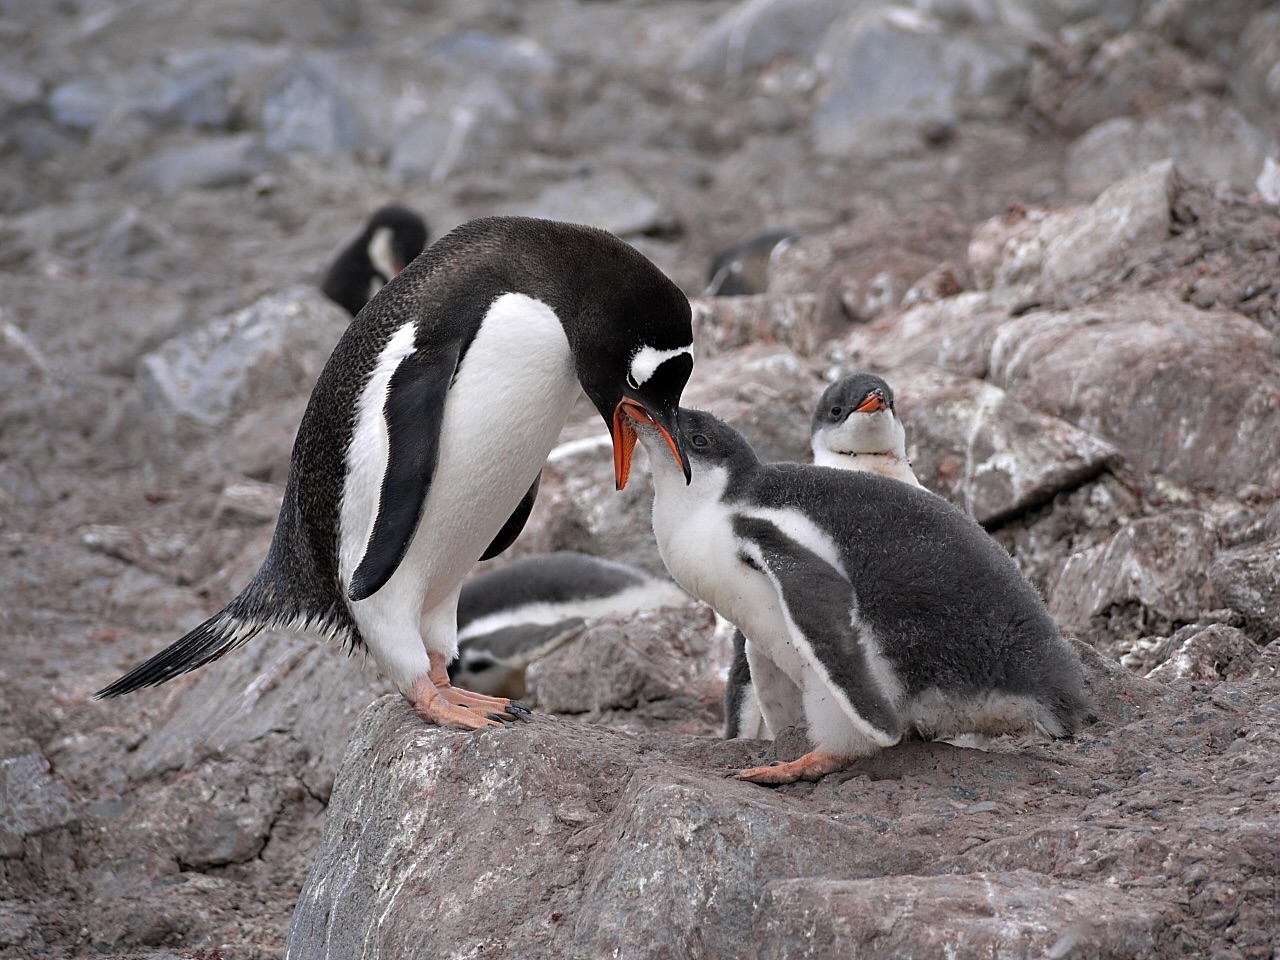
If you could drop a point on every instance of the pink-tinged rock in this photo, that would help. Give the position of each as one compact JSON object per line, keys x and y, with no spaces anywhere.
{"x":1008,"y":250}
{"x":802,"y":322}
{"x":1248,"y":580}
{"x":955,"y":333}
{"x":978,"y":915}
{"x":1159,"y":564}
{"x":1218,"y":652}
{"x":869,"y":264}
{"x":985,"y":451}
{"x":1191,"y":394}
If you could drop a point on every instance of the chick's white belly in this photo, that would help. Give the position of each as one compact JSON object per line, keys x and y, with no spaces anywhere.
{"x":701,"y":553}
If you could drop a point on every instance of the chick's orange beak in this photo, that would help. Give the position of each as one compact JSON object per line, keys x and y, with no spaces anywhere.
{"x":873,"y":403}
{"x":627,"y":413}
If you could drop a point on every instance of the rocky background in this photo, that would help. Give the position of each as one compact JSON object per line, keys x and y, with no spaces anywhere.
{"x":1051,"y":224}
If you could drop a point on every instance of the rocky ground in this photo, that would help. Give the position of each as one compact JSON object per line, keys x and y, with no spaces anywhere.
{"x":1085,"y":343}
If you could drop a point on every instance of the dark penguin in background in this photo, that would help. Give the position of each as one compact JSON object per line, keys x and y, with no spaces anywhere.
{"x":855,"y":427}
{"x":743,"y":269}
{"x":391,"y":238}
{"x":420,"y":449}
{"x":509,"y":617}
{"x":873,"y":610}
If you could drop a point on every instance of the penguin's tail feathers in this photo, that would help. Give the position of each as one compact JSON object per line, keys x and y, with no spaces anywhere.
{"x":221,"y":633}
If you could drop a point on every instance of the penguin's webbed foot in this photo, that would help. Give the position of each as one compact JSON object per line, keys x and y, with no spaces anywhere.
{"x":814,"y":765}
{"x":504,"y":709}
{"x":431,"y":704}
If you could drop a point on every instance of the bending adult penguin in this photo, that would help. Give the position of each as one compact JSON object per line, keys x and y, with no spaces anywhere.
{"x":420,"y":449}
{"x":874,"y":610}
{"x":509,"y":617}
{"x":855,"y":427}
{"x":391,"y":238}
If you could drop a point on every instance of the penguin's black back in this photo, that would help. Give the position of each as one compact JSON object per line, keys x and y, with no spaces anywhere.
{"x":555,"y":578}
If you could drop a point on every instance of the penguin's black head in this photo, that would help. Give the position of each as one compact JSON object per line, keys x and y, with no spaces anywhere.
{"x":633,"y":347}
{"x":858,"y":393}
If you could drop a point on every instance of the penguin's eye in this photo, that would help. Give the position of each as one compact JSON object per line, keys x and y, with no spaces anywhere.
{"x":698,"y":440}
{"x":835,"y":412}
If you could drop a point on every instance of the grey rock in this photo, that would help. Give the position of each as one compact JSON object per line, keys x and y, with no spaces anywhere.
{"x":1218,"y":652}
{"x":81,"y":104}
{"x":1008,"y":251}
{"x":305,"y":111}
{"x":868,"y":264}
{"x":19,"y":89}
{"x":455,"y":133}
{"x":1210,"y":28}
{"x":1158,"y":565}
{"x":623,"y":663}
{"x":16,"y":924}
{"x":1053,"y":15}
{"x":803,"y":322}
{"x":1174,"y":388}
{"x":989,"y":454}
{"x":268,"y":351}
{"x":1019,"y":913}
{"x":1206,"y":139}
{"x":130,"y":234}
{"x":280,"y":681}
{"x":893,"y":74}
{"x":1248,"y":580}
{"x":205,"y":162}
{"x":196,"y":94}
{"x":754,"y":32}
{"x":1256,"y":78}
{"x":954,"y":333}
{"x":1128,"y":214}
{"x":33,"y":799}
{"x":609,"y":200}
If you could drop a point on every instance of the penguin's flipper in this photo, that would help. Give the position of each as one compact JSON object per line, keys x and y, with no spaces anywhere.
{"x":515,"y":523}
{"x":815,"y":599}
{"x":414,"y":411}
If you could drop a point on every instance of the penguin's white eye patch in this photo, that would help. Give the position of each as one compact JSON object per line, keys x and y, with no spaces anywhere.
{"x":646,"y":360}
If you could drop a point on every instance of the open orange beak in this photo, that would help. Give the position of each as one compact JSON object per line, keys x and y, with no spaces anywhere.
{"x":874,"y":403}
{"x":627,"y":413}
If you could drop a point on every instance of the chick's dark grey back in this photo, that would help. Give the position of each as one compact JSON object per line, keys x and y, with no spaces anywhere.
{"x":946,"y":602}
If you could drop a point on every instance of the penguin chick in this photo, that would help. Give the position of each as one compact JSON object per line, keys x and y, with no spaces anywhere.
{"x":391,"y":238}
{"x":508,"y":618}
{"x":872,"y":609}
{"x":856,"y":427}
{"x":743,"y":269}
{"x":421,"y":446}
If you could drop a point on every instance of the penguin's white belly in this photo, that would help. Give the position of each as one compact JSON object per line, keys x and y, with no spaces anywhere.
{"x":508,"y":401}
{"x":507,"y":406}
{"x":697,"y":543}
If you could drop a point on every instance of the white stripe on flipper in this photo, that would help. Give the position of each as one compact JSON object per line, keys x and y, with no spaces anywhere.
{"x":860,"y":723}
{"x":797,"y":526}
{"x":367,"y":456}
{"x":646,"y":361}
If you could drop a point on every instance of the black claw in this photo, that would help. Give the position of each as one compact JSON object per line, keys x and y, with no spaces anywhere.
{"x":498,"y":718}
{"x":518,"y":709}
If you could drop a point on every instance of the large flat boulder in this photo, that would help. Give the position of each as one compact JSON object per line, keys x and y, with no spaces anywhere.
{"x":1191,"y":394}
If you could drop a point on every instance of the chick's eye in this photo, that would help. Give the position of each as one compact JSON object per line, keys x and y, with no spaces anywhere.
{"x":836,"y":411}
{"x":698,"y":440}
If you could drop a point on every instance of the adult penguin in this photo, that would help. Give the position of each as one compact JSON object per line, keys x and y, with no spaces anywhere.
{"x":390,"y":240}
{"x":420,"y":449}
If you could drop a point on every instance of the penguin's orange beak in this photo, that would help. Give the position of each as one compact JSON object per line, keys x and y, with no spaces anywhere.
{"x":627,"y":413}
{"x":873,"y":403}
